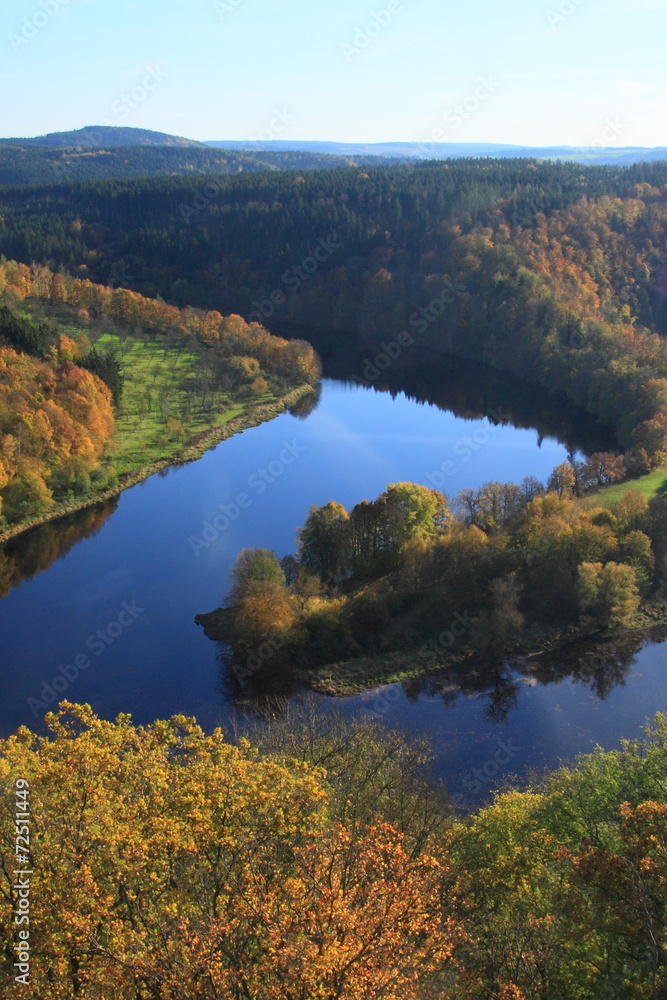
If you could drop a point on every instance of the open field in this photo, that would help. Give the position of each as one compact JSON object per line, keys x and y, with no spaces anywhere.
{"x":165,"y":401}
{"x":652,"y":484}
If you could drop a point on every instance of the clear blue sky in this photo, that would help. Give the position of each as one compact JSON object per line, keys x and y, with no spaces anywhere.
{"x":224,"y":73}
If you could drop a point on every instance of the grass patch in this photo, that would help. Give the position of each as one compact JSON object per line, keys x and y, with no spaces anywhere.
{"x":651,"y":485}
{"x":163,"y":404}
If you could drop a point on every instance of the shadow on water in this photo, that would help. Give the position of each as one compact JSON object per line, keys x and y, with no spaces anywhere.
{"x":594,"y":665}
{"x":467,"y":389}
{"x":34,"y":551}
{"x":303,"y":407}
{"x":599,"y":665}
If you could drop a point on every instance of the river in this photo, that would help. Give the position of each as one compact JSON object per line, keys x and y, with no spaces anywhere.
{"x":117,"y":588}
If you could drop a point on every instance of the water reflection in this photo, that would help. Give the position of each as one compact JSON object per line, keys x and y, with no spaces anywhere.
{"x":600,"y":666}
{"x":25,"y":556}
{"x":306,"y":405}
{"x":467,"y":389}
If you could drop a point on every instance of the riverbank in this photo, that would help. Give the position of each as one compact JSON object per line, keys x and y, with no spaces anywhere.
{"x":253,"y":416}
{"x":356,"y":676}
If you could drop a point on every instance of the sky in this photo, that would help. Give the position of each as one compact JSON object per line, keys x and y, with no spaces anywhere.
{"x":531,"y":72}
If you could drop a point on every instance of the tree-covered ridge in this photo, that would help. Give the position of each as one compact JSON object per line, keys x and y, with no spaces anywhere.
{"x":551,"y":271}
{"x":103,"y":136}
{"x":20,"y":164}
{"x":408,"y":584}
{"x":317,"y":858}
{"x":74,"y":348}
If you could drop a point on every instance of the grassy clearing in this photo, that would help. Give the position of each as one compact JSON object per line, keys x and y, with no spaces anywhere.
{"x":162,"y":384}
{"x":652,"y":484}
{"x":250,"y":416}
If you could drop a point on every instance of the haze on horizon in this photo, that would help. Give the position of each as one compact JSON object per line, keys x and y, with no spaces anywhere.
{"x":560,"y":72}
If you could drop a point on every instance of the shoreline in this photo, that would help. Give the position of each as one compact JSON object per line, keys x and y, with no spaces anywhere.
{"x":351,"y":681}
{"x":190,"y":452}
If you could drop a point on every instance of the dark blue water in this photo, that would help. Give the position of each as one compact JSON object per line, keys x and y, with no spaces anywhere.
{"x":486,"y":736}
{"x":118,"y":608}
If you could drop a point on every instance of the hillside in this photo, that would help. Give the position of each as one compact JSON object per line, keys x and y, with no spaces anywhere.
{"x":46,"y":165}
{"x":552,"y":272}
{"x":100,"y":388}
{"x":110,"y":137}
{"x":429,"y":150}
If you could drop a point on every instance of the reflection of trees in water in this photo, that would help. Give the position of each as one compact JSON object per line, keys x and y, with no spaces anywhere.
{"x":600,"y":666}
{"x":36,"y":550}
{"x":307,"y":404}
{"x":257,"y":690}
{"x":494,"y":682}
{"x":468,"y":390}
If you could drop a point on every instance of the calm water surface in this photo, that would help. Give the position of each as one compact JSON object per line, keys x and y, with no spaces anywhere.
{"x":139,"y":570}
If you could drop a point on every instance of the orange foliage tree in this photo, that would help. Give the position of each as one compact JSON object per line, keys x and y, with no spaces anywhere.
{"x":170,"y":864}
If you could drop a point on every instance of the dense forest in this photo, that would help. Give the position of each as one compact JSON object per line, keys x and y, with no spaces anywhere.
{"x":45,"y":165}
{"x":316,"y":857}
{"x":66,"y":429}
{"x":551,"y":271}
{"x":410,"y":583}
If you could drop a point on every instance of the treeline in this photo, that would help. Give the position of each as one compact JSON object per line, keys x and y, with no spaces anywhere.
{"x":317,"y":858}
{"x":554,"y":272}
{"x":501,"y":567}
{"x":44,"y":165}
{"x":225,"y":337}
{"x":57,"y":391}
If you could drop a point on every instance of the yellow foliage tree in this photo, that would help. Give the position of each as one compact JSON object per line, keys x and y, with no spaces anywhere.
{"x":169,"y":864}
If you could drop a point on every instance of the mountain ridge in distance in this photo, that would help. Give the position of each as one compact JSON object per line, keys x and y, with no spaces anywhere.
{"x":104,"y":137}
{"x":594,"y":155}
{"x":112,"y":136}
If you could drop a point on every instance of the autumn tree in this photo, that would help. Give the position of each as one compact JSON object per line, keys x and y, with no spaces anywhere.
{"x":324,"y":541}
{"x":500,"y":623}
{"x":608,"y":592}
{"x":254,"y":566}
{"x":264,"y":609}
{"x":171,"y":863}
{"x":562,"y":480}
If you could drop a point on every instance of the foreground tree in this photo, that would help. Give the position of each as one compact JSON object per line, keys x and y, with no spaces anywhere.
{"x":173,"y":865}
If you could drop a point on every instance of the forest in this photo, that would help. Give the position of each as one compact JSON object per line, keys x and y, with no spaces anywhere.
{"x":56,"y":165}
{"x":317,"y":857}
{"x":99,"y":384}
{"x":311,"y":855}
{"x":553,"y":272}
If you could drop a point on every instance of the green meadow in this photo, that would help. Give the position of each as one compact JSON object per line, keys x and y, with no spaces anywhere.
{"x":166,"y":401}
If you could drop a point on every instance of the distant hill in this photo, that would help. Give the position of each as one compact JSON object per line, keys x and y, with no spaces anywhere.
{"x":58,"y":165}
{"x":104,"y":137}
{"x":238,"y":155}
{"x":610,"y":156}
